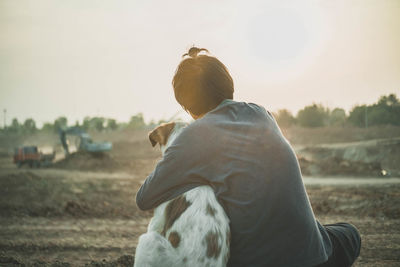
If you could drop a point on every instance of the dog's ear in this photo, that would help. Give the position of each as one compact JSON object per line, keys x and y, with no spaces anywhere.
{"x":161,"y":133}
{"x":153,"y":137}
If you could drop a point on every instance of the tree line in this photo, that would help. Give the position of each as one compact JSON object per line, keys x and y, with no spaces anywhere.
{"x":88,"y":124}
{"x":384,"y":112}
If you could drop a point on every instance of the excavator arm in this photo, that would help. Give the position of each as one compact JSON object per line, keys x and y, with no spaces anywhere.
{"x":85,"y":144}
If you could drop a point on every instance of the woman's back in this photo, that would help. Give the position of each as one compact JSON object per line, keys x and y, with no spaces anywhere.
{"x":257,"y":179}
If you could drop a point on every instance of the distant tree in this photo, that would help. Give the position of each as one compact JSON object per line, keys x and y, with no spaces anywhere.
{"x":86,"y":123}
{"x":48,"y":127}
{"x":379,"y":115}
{"x":97,"y":123}
{"x":93,"y":123}
{"x":313,"y":116}
{"x":60,"y":123}
{"x":137,"y":121}
{"x":15,"y":127}
{"x":29,"y":126}
{"x":390,"y":100}
{"x":357,"y":116}
{"x":337,"y":117}
{"x":385,"y":111}
{"x":284,"y":118}
{"x":112,"y":124}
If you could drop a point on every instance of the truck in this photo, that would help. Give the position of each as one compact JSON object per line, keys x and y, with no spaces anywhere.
{"x":32,"y":156}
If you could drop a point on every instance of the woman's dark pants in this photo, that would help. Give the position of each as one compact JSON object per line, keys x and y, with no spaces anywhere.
{"x":346,"y":244}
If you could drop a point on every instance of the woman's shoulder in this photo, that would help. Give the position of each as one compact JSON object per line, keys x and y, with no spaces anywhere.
{"x":257,"y":107}
{"x":253,"y":109}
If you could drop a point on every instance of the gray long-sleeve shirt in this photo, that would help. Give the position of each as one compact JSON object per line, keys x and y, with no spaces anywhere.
{"x":239,"y":150}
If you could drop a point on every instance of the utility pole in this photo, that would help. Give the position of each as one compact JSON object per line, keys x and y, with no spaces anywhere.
{"x":5,"y":113}
{"x":366,"y":116}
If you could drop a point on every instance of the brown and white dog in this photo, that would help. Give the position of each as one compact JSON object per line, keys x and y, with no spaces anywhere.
{"x":190,"y":230}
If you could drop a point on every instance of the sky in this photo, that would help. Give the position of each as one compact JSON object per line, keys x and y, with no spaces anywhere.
{"x":117,"y":58}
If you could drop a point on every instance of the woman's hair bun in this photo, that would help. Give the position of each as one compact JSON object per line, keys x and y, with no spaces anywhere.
{"x":193,"y":51}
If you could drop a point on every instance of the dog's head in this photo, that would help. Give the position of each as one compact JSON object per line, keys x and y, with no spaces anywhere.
{"x":165,"y":133}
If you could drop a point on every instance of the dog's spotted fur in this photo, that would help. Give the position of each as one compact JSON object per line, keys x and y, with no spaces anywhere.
{"x":190,"y":230}
{"x":173,"y":210}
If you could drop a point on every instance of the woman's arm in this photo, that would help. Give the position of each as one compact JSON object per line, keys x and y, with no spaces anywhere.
{"x":179,"y":171}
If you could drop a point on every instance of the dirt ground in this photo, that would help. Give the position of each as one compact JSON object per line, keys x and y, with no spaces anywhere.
{"x":81,"y":211}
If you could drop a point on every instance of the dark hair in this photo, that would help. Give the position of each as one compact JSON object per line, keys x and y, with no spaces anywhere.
{"x":201,"y":82}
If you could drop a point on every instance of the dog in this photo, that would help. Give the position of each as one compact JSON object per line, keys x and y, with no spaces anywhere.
{"x":190,"y":230}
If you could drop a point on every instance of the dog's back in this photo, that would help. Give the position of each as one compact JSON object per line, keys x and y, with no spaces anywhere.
{"x":190,"y":230}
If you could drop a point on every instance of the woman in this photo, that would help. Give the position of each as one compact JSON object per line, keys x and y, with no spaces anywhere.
{"x":238,"y":149}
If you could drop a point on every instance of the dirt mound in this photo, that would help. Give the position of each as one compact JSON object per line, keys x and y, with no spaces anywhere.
{"x":26,"y":193}
{"x":378,"y":202}
{"x":125,"y":260}
{"x":75,"y":209}
{"x":44,"y":193}
{"x":369,"y":158}
{"x":88,"y":161}
{"x":9,"y":261}
{"x":337,"y":166}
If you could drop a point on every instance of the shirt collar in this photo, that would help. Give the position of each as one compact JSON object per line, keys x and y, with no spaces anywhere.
{"x":223,"y":103}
